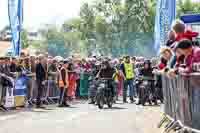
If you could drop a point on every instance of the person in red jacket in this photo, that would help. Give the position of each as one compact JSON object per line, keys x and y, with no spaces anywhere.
{"x":191,"y":53}
{"x":183,"y":32}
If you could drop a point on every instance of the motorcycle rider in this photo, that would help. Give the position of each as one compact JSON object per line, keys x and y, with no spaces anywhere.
{"x":107,"y":72}
{"x":127,"y":69}
{"x":146,"y":72}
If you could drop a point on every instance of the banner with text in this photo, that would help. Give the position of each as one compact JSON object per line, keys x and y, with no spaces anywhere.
{"x":165,"y":15}
{"x":15,"y":12}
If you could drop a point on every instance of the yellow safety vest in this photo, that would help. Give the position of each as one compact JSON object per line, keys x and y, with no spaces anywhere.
{"x":129,"y":70}
{"x":116,"y":75}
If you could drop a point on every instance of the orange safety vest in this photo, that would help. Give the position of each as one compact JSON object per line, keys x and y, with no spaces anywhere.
{"x":61,"y":83}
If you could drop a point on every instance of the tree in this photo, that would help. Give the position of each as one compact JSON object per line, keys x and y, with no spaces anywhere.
{"x":187,"y":7}
{"x":151,"y":9}
{"x":87,"y":20}
{"x":72,"y":25}
{"x":110,"y":26}
{"x":24,"y":39}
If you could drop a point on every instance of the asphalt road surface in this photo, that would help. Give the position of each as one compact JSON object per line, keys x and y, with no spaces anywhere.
{"x":82,"y":118}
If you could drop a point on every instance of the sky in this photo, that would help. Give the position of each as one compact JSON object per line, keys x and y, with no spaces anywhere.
{"x":38,"y":12}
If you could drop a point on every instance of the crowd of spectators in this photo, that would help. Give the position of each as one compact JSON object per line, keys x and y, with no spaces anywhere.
{"x":181,"y":51}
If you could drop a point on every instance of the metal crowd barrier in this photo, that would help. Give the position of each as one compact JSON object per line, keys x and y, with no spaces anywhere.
{"x":6,"y":92}
{"x":24,"y":91}
{"x":182,"y":99}
{"x":50,"y":92}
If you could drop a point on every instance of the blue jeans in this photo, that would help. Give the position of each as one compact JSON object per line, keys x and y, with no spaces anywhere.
{"x":128,"y":83}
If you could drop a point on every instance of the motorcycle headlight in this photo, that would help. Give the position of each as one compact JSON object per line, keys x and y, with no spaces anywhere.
{"x":145,"y":82}
{"x":102,"y":85}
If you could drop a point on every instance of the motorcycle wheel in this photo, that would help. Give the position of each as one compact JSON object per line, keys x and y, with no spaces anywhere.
{"x":110,"y":102}
{"x":100,"y":101}
{"x":143,"y":96}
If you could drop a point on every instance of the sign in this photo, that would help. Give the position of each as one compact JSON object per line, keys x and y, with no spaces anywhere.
{"x":15,"y":19}
{"x":20,"y":91}
{"x":20,"y":86}
{"x":10,"y":100}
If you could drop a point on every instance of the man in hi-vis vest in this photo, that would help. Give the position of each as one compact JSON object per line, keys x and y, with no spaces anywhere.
{"x":63,"y":84}
{"x":127,"y":69}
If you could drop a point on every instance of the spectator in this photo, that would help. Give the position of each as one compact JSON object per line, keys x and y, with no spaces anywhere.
{"x":72,"y":81}
{"x":13,"y":66}
{"x":40,"y":78}
{"x":166,"y":53}
{"x":127,"y":69}
{"x":78,"y":72}
{"x":52,"y":74}
{"x":63,"y":84}
{"x":183,"y":32}
{"x":171,"y":39}
{"x":191,"y":53}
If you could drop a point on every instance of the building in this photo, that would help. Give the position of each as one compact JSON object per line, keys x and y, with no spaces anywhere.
{"x":4,"y":47}
{"x":34,"y":36}
{"x":5,"y":34}
{"x":192,"y":20}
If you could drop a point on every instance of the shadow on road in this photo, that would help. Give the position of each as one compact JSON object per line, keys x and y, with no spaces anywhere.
{"x":39,"y":111}
{"x":119,"y":103}
{"x":153,"y":106}
{"x":115,"y":108}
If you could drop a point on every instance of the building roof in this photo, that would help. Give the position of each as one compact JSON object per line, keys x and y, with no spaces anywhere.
{"x":191,"y":18}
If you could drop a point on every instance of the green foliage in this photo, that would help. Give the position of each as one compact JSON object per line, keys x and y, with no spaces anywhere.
{"x":187,"y":7}
{"x":72,"y":24}
{"x":102,"y":26}
{"x":24,"y":39}
{"x":116,"y":27}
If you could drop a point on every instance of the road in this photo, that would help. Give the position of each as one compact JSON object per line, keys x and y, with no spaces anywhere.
{"x":82,"y":118}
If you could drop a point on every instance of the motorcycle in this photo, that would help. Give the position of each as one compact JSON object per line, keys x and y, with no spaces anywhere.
{"x":92,"y":91}
{"x":145,"y":91}
{"x":104,"y":94}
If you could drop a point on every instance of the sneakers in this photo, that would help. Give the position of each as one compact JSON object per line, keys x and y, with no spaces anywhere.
{"x":125,"y":102}
{"x":139,"y":103}
{"x":132,"y":100}
{"x":91,"y":102}
{"x":66,"y":105}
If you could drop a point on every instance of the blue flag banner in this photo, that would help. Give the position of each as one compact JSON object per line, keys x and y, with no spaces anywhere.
{"x":165,"y":15}
{"x":15,"y":19}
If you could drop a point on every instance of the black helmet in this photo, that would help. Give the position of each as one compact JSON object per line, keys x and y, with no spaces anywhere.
{"x":147,"y":62}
